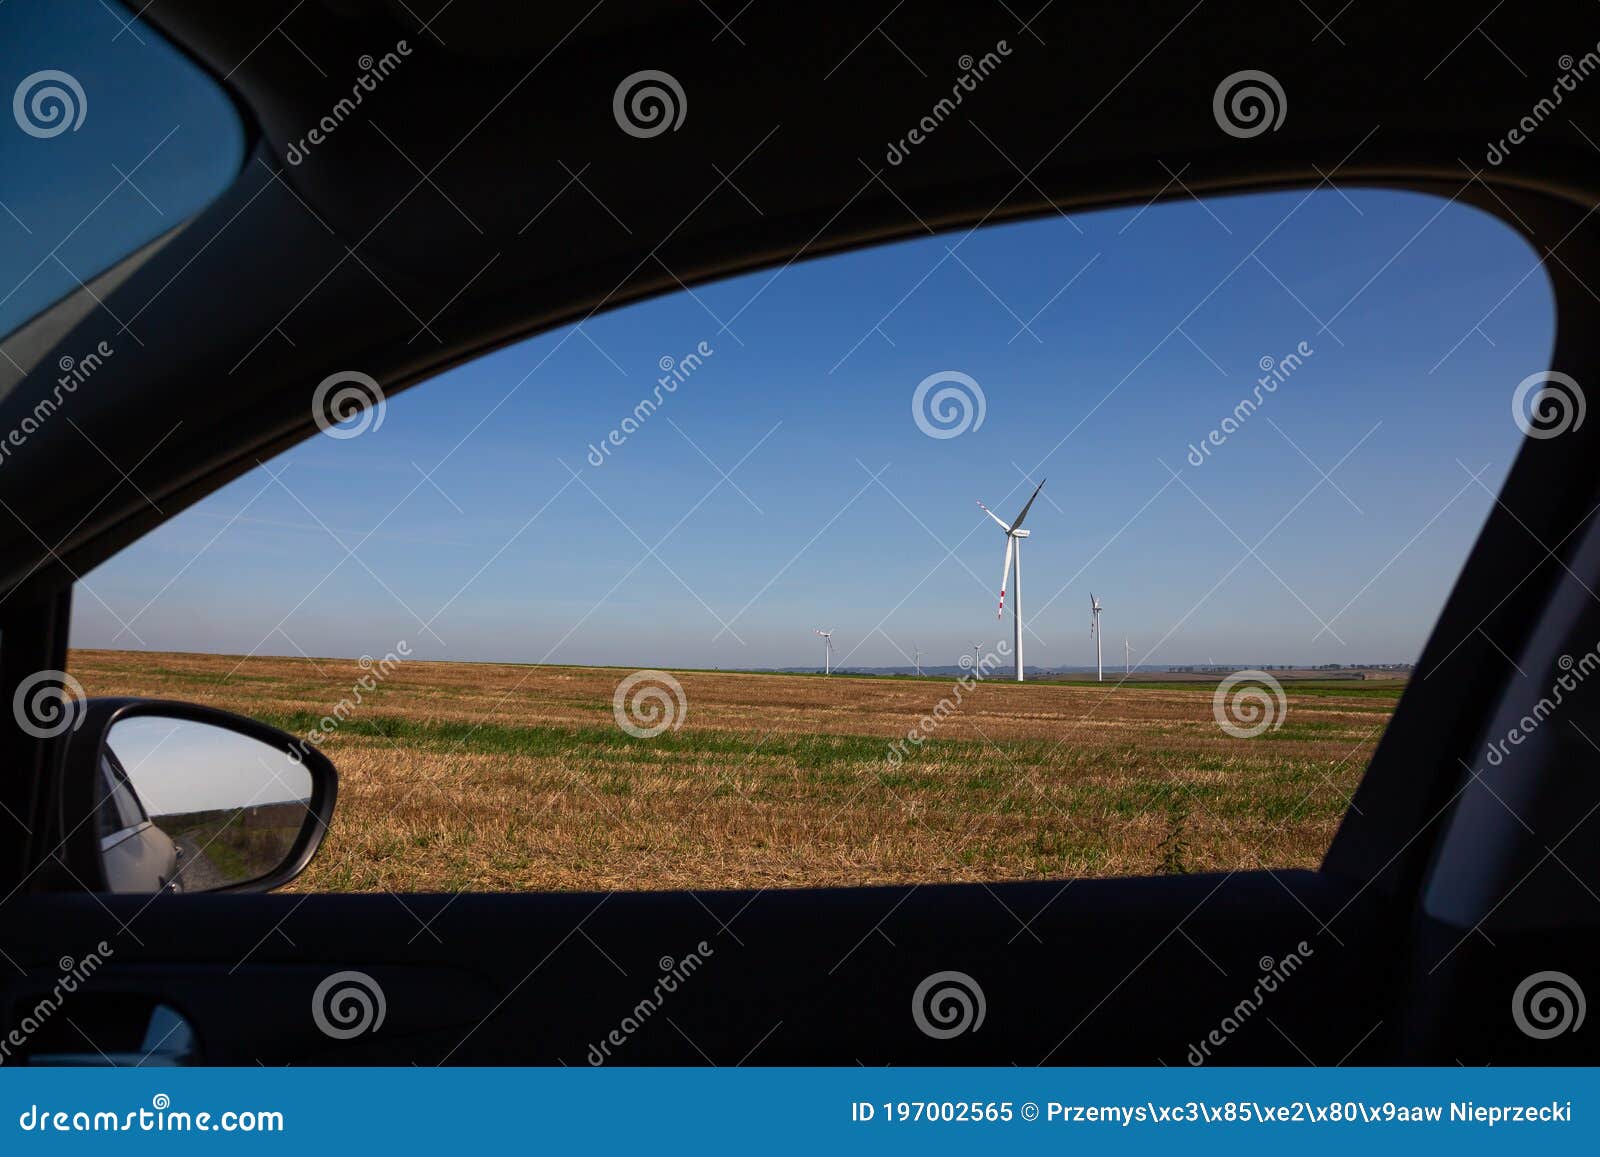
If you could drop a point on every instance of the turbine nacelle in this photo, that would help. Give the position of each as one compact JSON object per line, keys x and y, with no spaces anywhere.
{"x":1020,"y":533}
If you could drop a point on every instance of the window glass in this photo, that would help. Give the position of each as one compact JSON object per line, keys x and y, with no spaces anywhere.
{"x":556,"y":615}
{"x":109,"y":137}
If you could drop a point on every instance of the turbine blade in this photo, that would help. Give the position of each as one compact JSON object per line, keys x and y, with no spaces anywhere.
{"x":1029,"y":503}
{"x":1005,"y":575}
{"x":994,"y":516}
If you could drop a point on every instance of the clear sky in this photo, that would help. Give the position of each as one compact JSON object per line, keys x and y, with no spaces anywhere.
{"x":1105,"y":347}
{"x":176,"y":766}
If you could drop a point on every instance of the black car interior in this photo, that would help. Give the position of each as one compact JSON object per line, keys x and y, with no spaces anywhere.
{"x":457,"y":231}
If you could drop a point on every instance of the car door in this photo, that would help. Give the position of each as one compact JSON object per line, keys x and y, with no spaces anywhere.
{"x":1359,"y":960}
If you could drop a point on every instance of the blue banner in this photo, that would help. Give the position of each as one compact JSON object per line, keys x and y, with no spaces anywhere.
{"x":815,"y":1111}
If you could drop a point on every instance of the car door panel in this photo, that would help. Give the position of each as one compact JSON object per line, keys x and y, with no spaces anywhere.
{"x":1113,"y":971}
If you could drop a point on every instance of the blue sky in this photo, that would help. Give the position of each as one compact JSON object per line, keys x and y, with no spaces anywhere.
{"x":1145,"y":326}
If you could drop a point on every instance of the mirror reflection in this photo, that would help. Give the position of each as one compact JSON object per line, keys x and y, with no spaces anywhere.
{"x":193,"y":807}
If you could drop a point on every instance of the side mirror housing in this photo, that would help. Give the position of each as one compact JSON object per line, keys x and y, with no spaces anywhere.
{"x":165,"y":796}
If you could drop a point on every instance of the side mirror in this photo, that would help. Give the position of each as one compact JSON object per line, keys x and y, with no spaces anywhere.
{"x":161,"y":796}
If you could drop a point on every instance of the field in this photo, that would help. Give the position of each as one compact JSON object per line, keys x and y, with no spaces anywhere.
{"x":503,"y":777}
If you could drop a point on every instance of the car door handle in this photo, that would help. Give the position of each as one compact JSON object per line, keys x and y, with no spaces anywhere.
{"x":169,"y":1041}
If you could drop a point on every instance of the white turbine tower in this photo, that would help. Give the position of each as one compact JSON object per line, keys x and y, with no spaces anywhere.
{"x":916,"y":657}
{"x":827,"y":649}
{"x":1014,"y":536}
{"x":1094,"y":629}
{"x":976,"y":647}
{"x":1127,"y":656}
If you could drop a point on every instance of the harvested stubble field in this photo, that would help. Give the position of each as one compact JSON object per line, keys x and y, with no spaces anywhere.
{"x":502,"y":777}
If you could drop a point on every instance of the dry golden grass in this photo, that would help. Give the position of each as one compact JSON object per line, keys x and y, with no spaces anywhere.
{"x":487,"y":776}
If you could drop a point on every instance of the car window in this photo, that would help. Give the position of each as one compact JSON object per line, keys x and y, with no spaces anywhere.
{"x":700,"y":593}
{"x":108,"y":816}
{"x":109,"y":138}
{"x":120,"y":808}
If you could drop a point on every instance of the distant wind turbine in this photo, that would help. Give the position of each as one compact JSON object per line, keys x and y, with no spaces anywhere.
{"x":1013,"y":569}
{"x":1094,"y":629}
{"x":827,"y":649}
{"x":916,"y":657}
{"x":976,"y":647}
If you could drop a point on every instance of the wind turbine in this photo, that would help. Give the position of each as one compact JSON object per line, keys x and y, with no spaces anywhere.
{"x":1014,"y":536}
{"x":827,"y":649}
{"x":976,"y":647}
{"x":916,"y":657}
{"x":1094,"y":629}
{"x":1127,"y":656}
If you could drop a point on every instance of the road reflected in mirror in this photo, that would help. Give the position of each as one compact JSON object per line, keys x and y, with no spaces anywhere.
{"x":193,"y":807}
